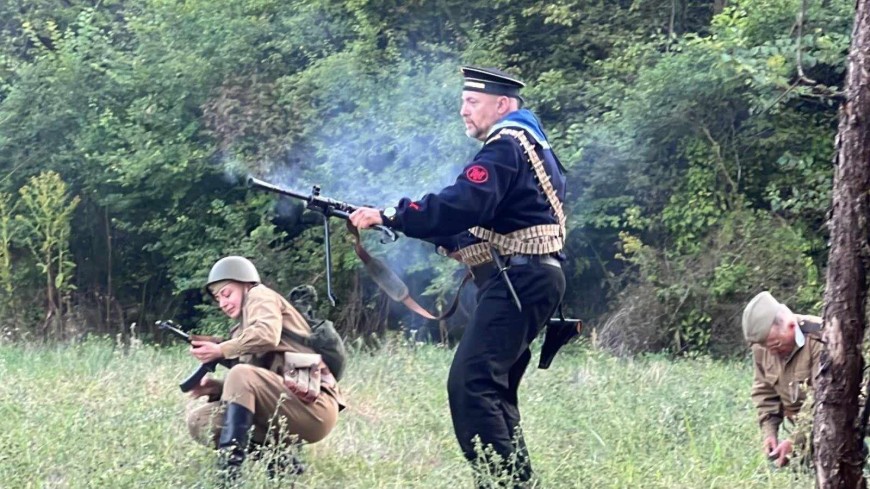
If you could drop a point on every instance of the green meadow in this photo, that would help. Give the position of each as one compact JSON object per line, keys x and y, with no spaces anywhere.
{"x":97,"y":415}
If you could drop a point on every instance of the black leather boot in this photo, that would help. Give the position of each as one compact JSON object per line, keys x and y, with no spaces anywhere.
{"x":559,"y":332}
{"x":233,"y":442}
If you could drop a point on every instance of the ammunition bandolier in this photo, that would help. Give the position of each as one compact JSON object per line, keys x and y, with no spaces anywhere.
{"x":542,"y":239}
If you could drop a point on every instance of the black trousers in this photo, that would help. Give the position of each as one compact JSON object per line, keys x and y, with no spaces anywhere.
{"x":492,"y":357}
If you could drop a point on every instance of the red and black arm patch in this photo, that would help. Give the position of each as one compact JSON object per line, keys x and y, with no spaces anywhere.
{"x":477,"y":174}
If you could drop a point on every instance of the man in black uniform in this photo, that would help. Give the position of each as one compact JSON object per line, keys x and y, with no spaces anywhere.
{"x":504,"y":211}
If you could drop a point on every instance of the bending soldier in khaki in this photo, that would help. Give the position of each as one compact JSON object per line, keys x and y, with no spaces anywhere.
{"x":274,"y":387}
{"x":786,"y":348}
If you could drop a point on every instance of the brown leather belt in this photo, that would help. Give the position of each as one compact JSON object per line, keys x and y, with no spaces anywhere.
{"x":486,"y":271}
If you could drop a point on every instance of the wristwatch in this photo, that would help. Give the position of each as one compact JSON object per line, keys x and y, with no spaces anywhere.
{"x":390,"y":213}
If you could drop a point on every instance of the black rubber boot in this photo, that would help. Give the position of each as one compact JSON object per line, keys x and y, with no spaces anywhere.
{"x":233,"y":442}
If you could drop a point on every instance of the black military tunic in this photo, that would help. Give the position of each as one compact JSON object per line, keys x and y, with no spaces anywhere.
{"x":498,"y":190}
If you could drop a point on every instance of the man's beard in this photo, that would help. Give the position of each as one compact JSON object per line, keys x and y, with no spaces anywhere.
{"x":474,"y":133}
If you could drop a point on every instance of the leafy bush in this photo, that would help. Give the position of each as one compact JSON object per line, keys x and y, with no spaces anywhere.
{"x":692,"y":302}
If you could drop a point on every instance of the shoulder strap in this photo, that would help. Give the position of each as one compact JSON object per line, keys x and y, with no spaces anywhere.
{"x":392,"y":285}
{"x":540,"y":173}
{"x":298,"y":338}
{"x":519,"y":243}
{"x":809,"y":326}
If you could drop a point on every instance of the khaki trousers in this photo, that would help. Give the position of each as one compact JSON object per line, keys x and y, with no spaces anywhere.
{"x":278,"y":414}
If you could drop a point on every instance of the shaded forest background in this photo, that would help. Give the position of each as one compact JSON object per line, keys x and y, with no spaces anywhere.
{"x":698,"y":137}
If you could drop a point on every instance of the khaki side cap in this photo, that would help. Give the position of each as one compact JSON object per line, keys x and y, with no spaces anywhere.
{"x":758,"y":317}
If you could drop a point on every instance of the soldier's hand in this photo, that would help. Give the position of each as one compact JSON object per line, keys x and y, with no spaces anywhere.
{"x":206,"y":387}
{"x":769,"y":444}
{"x":206,"y":351}
{"x":366,"y":217}
{"x":781,"y":452}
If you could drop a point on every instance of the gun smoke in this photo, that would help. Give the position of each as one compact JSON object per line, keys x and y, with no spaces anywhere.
{"x":396,"y":139}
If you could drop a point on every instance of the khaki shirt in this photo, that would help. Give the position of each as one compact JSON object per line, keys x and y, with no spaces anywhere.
{"x":780,"y":386}
{"x":257,"y":338}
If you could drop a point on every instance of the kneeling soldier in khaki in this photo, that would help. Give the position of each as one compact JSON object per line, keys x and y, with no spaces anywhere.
{"x":786,"y":348}
{"x":279,"y":387}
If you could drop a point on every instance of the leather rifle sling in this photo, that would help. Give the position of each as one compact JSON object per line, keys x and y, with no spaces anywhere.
{"x":392,"y":285}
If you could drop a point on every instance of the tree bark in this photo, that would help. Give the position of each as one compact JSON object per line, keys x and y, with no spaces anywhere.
{"x":837,"y":443}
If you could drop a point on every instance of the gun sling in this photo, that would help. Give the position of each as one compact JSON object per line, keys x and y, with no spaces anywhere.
{"x":393,"y":286}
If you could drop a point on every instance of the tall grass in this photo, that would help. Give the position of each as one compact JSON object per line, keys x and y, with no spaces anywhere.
{"x":92,"y":415}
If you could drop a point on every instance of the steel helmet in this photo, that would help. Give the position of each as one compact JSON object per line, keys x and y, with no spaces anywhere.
{"x":236,"y":268}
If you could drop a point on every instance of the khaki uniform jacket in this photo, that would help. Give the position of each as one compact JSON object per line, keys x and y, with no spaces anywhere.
{"x":257,"y":339}
{"x":780,"y":386}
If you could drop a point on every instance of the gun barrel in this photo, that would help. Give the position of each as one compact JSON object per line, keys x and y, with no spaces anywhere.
{"x":324,"y":205}
{"x":314,"y":201}
{"x":271,"y":187}
{"x":167,"y":326}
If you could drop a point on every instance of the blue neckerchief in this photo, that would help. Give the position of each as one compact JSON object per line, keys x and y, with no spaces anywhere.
{"x":524,"y":119}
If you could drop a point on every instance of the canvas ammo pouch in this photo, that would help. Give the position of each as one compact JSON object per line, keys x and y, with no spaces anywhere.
{"x":325,"y":340}
{"x":302,"y":375}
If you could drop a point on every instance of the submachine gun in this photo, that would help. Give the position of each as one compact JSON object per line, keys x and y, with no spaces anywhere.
{"x":327,"y":208}
{"x":383,"y":276}
{"x":194,"y":379}
{"x":559,"y":329}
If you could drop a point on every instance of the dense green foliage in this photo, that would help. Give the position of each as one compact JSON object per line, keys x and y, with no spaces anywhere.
{"x":698,"y":135}
{"x":92,"y":415}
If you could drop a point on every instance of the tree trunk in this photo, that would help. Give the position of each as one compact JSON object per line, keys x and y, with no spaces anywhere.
{"x":836,"y":439}
{"x":719,"y":6}
{"x":108,"y":267}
